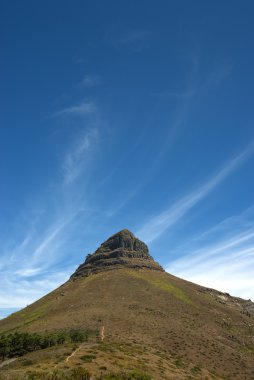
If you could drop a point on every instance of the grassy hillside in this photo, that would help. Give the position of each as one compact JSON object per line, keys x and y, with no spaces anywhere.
{"x":152,"y":321}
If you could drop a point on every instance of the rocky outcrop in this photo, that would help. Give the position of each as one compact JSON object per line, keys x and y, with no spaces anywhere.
{"x":122,"y":250}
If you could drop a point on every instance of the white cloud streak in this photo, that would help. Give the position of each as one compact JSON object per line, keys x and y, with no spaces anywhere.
{"x":90,"y":81}
{"x":161,"y":222}
{"x":22,"y":292}
{"x":223,"y":263}
{"x":237,"y":245}
{"x":27,"y":275}
{"x":138,"y":35}
{"x":81,"y":109}
{"x":80,"y":155}
{"x":26,"y":266}
{"x":136,"y":39}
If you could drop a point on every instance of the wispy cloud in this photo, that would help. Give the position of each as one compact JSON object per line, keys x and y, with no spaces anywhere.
{"x":231,"y":245}
{"x":219,"y":73}
{"x":90,"y":81}
{"x":80,"y":155}
{"x":136,"y":39}
{"x":22,"y":292}
{"x":161,"y":222}
{"x":32,"y":259}
{"x":222,"y":258}
{"x":27,"y":272}
{"x":81,"y":109}
{"x":43,"y":257}
{"x":188,"y":97}
{"x":134,"y":36}
{"x":33,"y":269}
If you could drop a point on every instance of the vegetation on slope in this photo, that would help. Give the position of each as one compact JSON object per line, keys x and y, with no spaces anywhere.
{"x":180,"y":327}
{"x":18,"y":344}
{"x":78,"y":374}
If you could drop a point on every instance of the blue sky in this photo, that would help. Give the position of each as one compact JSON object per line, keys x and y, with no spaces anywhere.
{"x":133,"y":115}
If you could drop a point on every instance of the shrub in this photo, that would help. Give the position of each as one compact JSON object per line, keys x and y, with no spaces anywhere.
{"x":87,"y":358}
{"x":80,"y":374}
{"x":78,"y":336}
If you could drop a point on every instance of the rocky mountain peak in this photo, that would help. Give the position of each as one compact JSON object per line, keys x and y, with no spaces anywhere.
{"x":124,"y":240}
{"x":121,"y":250}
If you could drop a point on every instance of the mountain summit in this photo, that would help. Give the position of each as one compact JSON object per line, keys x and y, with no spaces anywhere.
{"x":136,"y":317}
{"x":122,"y":250}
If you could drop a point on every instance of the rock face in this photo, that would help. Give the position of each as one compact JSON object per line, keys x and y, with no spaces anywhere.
{"x":122,"y":250}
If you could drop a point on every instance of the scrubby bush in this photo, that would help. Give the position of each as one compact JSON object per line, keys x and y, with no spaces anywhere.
{"x":80,"y":374}
{"x":78,"y":336}
{"x":87,"y":358}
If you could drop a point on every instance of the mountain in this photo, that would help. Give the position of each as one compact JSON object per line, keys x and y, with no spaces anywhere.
{"x":122,"y":250}
{"x":139,"y":317}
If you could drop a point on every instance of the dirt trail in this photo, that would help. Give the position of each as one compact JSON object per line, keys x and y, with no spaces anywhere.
{"x":102,"y":333}
{"x":74,"y":353}
{"x":6,"y":362}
